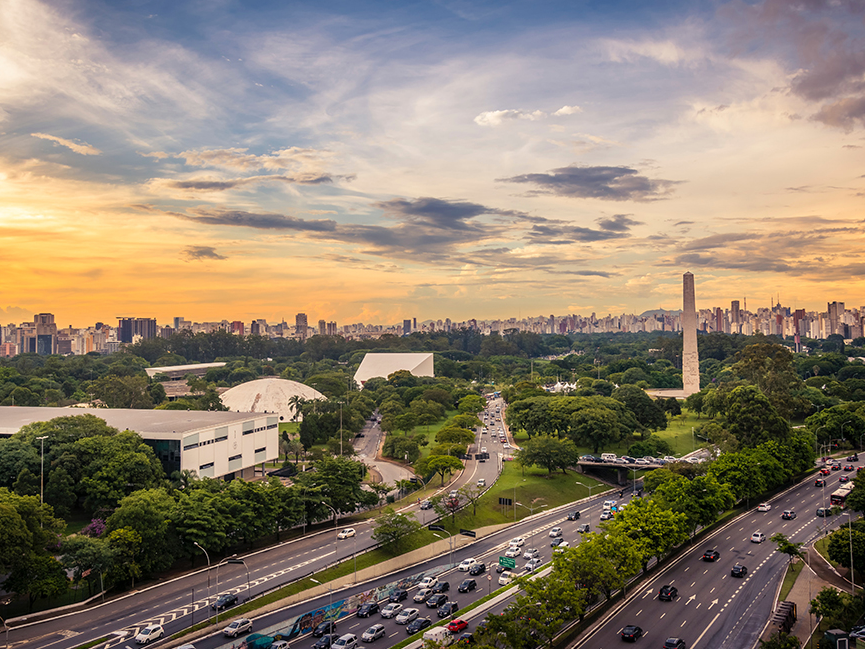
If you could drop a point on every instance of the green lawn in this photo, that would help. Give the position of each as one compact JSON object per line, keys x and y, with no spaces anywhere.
{"x":430,"y":432}
{"x":290,"y":427}
{"x":793,"y":570}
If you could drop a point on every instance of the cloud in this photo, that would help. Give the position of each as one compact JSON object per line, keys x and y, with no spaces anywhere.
{"x":604,"y":183}
{"x":240,"y":159}
{"x":439,"y":213}
{"x":499,"y":117}
{"x":83,"y":149}
{"x":844,"y":113}
{"x":217,"y":185}
{"x":258,"y":221}
{"x":198,"y":253}
{"x":556,"y":232}
{"x":618,"y":223}
{"x":567,"y":110}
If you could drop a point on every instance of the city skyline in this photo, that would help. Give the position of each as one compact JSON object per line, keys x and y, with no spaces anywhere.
{"x":380,"y":162}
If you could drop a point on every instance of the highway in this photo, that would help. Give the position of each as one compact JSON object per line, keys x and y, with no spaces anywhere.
{"x":180,"y":602}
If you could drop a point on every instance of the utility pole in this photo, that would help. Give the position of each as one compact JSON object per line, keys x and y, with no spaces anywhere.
{"x":42,"y":470}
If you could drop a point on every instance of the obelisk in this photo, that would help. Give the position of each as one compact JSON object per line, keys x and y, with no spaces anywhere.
{"x":690,"y":358}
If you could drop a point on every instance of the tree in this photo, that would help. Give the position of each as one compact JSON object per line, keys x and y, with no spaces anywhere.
{"x":393,"y":529}
{"x":59,"y":492}
{"x":340,"y":481}
{"x":700,"y":499}
{"x":786,"y":546}
{"x":381,"y":489}
{"x":602,"y":563}
{"x":645,"y":409}
{"x":38,"y":577}
{"x":780,"y":640}
{"x":126,"y":546}
{"x":86,"y":557}
{"x":26,"y":484}
{"x":548,"y":452}
{"x":472,"y":493}
{"x":836,"y":608}
{"x":146,"y":512}
{"x":842,"y":540}
{"x":444,"y":465}
{"x":753,"y":419}
{"x":454,"y":435}
{"x":770,"y":368}
{"x":471,"y":404}
{"x":596,"y":427}
{"x":655,"y":529}
{"x":122,"y":391}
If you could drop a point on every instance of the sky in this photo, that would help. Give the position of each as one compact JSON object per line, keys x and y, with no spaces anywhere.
{"x":374,"y":161}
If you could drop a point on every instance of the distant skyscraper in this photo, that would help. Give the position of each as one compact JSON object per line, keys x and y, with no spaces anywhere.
{"x":836,"y":312}
{"x":322,"y":328}
{"x":406,"y":327}
{"x":300,"y":326}
{"x":690,"y":357}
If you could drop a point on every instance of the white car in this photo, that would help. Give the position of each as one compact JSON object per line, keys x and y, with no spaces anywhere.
{"x":519,"y":541}
{"x":561,"y":547}
{"x":406,"y":615}
{"x":391,"y":610}
{"x":482,"y":482}
{"x":237,"y":627}
{"x":428,"y":582}
{"x":347,"y":533}
{"x":513,"y":551}
{"x":606,"y":515}
{"x":483,"y":449}
{"x":422,"y":595}
{"x":150,"y":633}
{"x":531,"y":553}
{"x":467,"y":564}
{"x":609,"y":504}
{"x":533,"y":563}
{"x":764,"y":507}
{"x":505,"y":578}
{"x":758,"y":537}
{"x":556,"y":531}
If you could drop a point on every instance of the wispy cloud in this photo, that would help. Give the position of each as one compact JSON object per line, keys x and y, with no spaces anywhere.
{"x":499,"y":117}
{"x":82,"y":148}
{"x":220,"y":185}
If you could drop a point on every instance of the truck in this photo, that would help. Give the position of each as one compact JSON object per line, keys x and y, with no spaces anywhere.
{"x":437,"y":637}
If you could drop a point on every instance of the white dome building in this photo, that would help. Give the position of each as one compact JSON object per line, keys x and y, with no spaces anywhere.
{"x":270,"y":394}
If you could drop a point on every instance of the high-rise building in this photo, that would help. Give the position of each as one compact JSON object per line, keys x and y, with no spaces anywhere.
{"x":690,"y":357}
{"x":129,"y":328}
{"x":332,"y":329}
{"x":237,"y":327}
{"x":300,"y":326}
{"x":735,"y":318}
{"x":406,"y":327}
{"x":46,"y":333}
{"x":836,"y":312}
{"x":322,"y":328}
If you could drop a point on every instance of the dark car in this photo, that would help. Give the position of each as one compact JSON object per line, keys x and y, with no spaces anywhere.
{"x":441,"y":587}
{"x":853,"y":458}
{"x":224,"y":601}
{"x":478,"y":569}
{"x":823,"y":512}
{"x":711,"y":555}
{"x":326,"y":641}
{"x":849,"y":467}
{"x":674,"y":643}
{"x":500,"y":569}
{"x":583,"y":529}
{"x":417,"y":624}
{"x":555,"y":542}
{"x":574,"y":516}
{"x":367,"y":609}
{"x":398,"y":595}
{"x":467,"y":585}
{"x":819,"y":482}
{"x":324,"y":627}
{"x":668,"y":593}
{"x":844,"y":478}
{"x":436,"y":600}
{"x":466,"y":638}
{"x":836,"y":467}
{"x":631,"y":632}
{"x":426,"y":504}
{"x":738,"y":571}
{"x":447,"y":609}
{"x":788,"y":515}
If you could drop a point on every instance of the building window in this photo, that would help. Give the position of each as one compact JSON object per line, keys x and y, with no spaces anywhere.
{"x":261,"y":450}
{"x":235,"y":457}
{"x":221,"y":439}
{"x":209,"y":465}
{"x":190,"y":446}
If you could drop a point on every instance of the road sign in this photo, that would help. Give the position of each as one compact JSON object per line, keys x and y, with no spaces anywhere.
{"x":470,"y":533}
{"x":505,"y":501}
{"x":435,"y":528}
{"x":508,"y":562}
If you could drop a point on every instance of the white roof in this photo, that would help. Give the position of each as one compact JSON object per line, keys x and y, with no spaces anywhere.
{"x":167,"y":369}
{"x":383,"y":365}
{"x":270,"y":394}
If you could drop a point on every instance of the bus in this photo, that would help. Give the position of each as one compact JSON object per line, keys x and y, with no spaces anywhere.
{"x":839,"y":496}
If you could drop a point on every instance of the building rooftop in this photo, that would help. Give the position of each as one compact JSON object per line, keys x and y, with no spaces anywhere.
{"x":184,"y":369}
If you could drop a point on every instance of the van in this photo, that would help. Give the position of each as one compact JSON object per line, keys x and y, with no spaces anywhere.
{"x":609,"y":504}
{"x":437,"y":636}
{"x":608,"y":457}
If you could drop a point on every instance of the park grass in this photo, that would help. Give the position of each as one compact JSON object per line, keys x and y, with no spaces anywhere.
{"x":429,"y":432}
{"x":290,"y":427}
{"x":793,"y":570}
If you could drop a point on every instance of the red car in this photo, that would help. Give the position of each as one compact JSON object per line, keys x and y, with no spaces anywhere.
{"x":825,"y":471}
{"x":457,"y":626}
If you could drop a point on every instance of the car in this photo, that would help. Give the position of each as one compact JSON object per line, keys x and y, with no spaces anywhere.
{"x":531,"y":553}
{"x":482,"y":482}
{"x":849,"y":467}
{"x":631,"y":633}
{"x":466,"y":585}
{"x":606,"y":515}
{"x":823,"y":512}
{"x":457,"y":626}
{"x":531,"y":564}
{"x":367,"y":608}
{"x":426,"y":504}
{"x":825,"y":471}
{"x":150,"y":633}
{"x":441,"y":587}
{"x":466,"y":638}
{"x":556,"y":531}
{"x":241,"y":625}
{"x":518,"y":541}
{"x":512,"y":551}
{"x":711,"y":555}
{"x":738,"y":571}
{"x":788,"y":515}
{"x":758,"y":537}
{"x":447,"y":609}
{"x":192,"y":646}
{"x":555,"y":542}
{"x":853,"y":458}
{"x":608,"y":505}
{"x":478,"y":569}
{"x":428,"y":582}
{"x":406,"y":615}
{"x":584,"y":528}
{"x":422,"y":595}
{"x":417,"y":624}
{"x":844,"y":478}
{"x":505,"y":578}
{"x":483,"y":449}
{"x":347,"y":533}
{"x":764,"y":507}
{"x":329,"y":626}
{"x":819,"y":482}
{"x":391,"y":610}
{"x":436,"y":600}
{"x":347,"y":641}
{"x":564,"y":545}
{"x":573,"y":516}
{"x":466,"y":564}
{"x":668,"y":593}
{"x":836,"y":467}
{"x":674,"y":643}
{"x":453,"y":494}
{"x":641,"y":460}
{"x":397,"y":595}
{"x":500,"y":568}
{"x":326,"y":641}
{"x":224,"y":601}
{"x":373,"y":633}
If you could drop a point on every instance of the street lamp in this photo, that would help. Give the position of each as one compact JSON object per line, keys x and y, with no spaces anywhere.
{"x":450,"y":543}
{"x":850,"y":537}
{"x":5,"y":626}
{"x":330,"y":595}
{"x":589,"y":487}
{"x":195,"y":543}
{"x":224,"y":562}
{"x":42,"y":470}
{"x":340,"y":428}
{"x":335,"y":532}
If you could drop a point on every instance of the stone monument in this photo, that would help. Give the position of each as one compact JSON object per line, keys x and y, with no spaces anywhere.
{"x":690,"y":357}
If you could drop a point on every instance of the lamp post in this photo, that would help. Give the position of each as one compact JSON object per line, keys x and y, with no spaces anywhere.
{"x":5,"y":626}
{"x":330,"y":596}
{"x":335,"y":532}
{"x":232,"y":559}
{"x":450,"y":543}
{"x":589,"y":487}
{"x":354,"y":555}
{"x":42,"y":470}
{"x":195,"y":543}
{"x":340,"y":428}
{"x":850,"y":537}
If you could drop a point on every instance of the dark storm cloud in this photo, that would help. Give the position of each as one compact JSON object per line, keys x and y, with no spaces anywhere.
{"x":557,"y":232}
{"x":604,"y":183}
{"x":263,"y":221}
{"x":438,"y":212}
{"x":197,"y":253}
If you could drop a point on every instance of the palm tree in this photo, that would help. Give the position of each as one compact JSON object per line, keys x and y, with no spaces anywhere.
{"x":296,"y":402}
